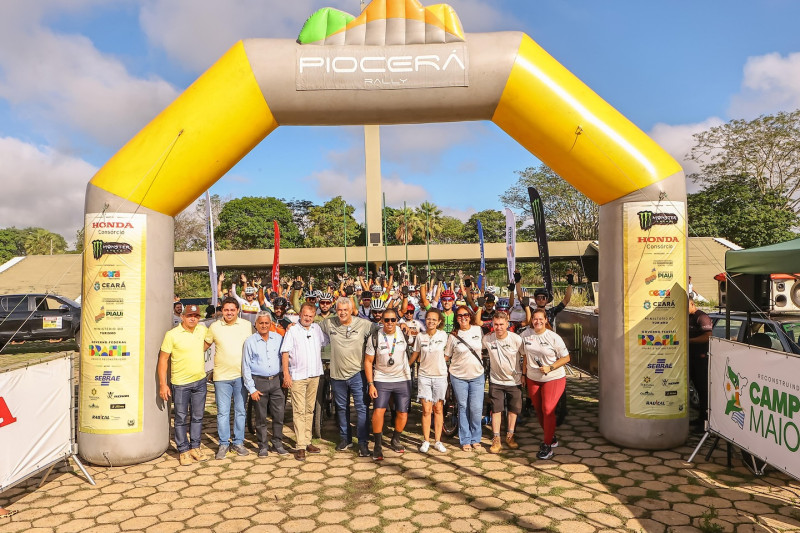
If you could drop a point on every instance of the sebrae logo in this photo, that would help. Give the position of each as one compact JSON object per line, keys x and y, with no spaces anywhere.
{"x":659,"y":366}
{"x":733,"y":384}
{"x":648,"y":219}
{"x":101,"y":248}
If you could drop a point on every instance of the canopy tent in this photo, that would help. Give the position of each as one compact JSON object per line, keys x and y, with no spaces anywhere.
{"x":778,"y":258}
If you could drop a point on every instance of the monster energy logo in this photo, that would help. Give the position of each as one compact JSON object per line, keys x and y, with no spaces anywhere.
{"x":100,"y":248}
{"x":648,"y":219}
{"x":578,"y":332}
{"x":537,"y":208}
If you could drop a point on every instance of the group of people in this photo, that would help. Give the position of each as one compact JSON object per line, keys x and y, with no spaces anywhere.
{"x":372,"y":332}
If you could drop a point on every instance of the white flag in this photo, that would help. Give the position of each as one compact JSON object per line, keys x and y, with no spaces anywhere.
{"x":511,"y":244}
{"x":212,"y":258}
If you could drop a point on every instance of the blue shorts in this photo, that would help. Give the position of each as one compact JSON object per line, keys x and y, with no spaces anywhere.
{"x":401,"y":390}
{"x":432,"y":389}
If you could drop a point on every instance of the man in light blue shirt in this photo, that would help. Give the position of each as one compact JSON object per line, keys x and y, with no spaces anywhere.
{"x":262,"y":376}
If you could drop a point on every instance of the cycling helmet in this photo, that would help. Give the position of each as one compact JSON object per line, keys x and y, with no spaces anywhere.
{"x":280,"y":301}
{"x":489,"y":290}
{"x":448,"y":295}
{"x":250,"y":290}
{"x":490,"y":297}
{"x":377,"y":305}
{"x":410,"y":308}
{"x":310,"y":294}
{"x":541,"y":291}
{"x":317,"y":294}
{"x":502,"y":304}
{"x":376,"y":288}
{"x":326,"y":297}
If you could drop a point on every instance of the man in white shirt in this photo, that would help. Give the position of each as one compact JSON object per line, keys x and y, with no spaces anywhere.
{"x":302,"y":367}
{"x":505,"y":378}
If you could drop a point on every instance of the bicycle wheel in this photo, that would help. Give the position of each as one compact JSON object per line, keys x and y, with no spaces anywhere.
{"x":450,"y":409}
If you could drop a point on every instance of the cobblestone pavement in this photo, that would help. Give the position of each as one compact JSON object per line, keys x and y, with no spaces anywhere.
{"x":589,"y":485}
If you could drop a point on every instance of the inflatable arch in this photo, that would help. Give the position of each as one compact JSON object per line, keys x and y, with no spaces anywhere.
{"x":397,"y":62}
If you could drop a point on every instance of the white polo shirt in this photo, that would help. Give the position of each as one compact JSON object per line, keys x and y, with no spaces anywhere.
{"x":304,"y":347}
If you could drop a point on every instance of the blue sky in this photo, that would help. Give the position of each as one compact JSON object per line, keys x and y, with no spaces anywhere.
{"x":78,"y":78}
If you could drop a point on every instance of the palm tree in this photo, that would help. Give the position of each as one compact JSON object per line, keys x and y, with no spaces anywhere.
{"x":416,"y":226}
{"x":434,"y":218}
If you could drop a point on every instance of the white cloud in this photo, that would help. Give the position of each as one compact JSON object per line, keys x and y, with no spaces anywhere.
{"x":770,"y":83}
{"x":58,"y":80}
{"x":461,"y":214}
{"x":420,"y":147}
{"x":42,"y":187}
{"x":481,"y":16}
{"x":677,"y":140}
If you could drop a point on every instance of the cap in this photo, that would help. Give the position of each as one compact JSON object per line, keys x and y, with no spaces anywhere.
{"x":490,"y":297}
{"x":366,"y":296}
{"x":410,"y":307}
{"x":191,"y":310}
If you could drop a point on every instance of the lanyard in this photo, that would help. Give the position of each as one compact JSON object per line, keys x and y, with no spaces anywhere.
{"x":394,"y":343}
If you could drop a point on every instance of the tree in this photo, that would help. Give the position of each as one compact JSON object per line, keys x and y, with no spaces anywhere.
{"x":767,"y":149}
{"x":736,"y":209}
{"x":494,"y":226}
{"x":300,"y":213}
{"x":40,"y":241}
{"x":451,"y":232}
{"x":409,"y":226}
{"x":246,"y":223}
{"x":431,"y":216}
{"x":190,"y":224}
{"x":11,"y":244}
{"x":569,"y":214}
{"x":326,"y":224}
{"x":79,"y":241}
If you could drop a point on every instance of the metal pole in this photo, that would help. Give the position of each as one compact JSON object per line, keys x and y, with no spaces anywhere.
{"x":344,"y":218}
{"x":366,"y":242}
{"x":385,"y":246}
{"x":405,"y":222}
{"x":428,"y":239}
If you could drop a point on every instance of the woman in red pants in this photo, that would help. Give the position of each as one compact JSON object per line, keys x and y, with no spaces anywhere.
{"x":543,"y":366}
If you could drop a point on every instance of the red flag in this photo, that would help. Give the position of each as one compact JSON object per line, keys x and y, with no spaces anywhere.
{"x":276,"y":267}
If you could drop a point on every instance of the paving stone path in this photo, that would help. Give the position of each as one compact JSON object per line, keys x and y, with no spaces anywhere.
{"x":590,"y":485}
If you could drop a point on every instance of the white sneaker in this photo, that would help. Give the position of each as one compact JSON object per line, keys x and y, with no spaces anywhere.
{"x":439,"y":447}
{"x":425,"y":446}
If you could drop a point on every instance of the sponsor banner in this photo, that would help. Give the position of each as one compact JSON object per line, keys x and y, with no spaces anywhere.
{"x":754,"y":401}
{"x":212,"y":257}
{"x":511,"y":244}
{"x":655,"y":322}
{"x":112,"y":365}
{"x":579,"y":331}
{"x":35,"y":412}
{"x":381,"y":67}
{"x":539,"y":226}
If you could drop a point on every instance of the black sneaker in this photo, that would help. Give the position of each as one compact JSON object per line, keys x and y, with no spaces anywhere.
{"x":396,"y":446}
{"x":343,"y":445}
{"x":363,"y":451}
{"x":545,"y":452}
{"x":377,"y":454}
{"x":263,"y":452}
{"x":554,"y":444}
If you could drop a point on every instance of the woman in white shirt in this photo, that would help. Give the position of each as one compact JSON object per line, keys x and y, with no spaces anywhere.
{"x":429,"y":348}
{"x":467,"y":377}
{"x":543,"y":365}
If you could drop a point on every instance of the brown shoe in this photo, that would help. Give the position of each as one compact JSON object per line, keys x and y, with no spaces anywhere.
{"x":510,"y":442}
{"x":312,"y":449}
{"x":496,"y":445}
{"x":197,"y":454}
{"x":300,"y":455}
{"x":185,"y":459}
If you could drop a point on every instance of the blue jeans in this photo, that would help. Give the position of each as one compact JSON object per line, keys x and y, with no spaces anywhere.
{"x":224,"y":391}
{"x":189,"y":401}
{"x":469,"y":395}
{"x":342,"y":389}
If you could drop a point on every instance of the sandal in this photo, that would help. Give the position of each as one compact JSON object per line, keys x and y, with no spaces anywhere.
{"x":9,"y":514}
{"x":477,"y":447}
{"x":466,"y":448}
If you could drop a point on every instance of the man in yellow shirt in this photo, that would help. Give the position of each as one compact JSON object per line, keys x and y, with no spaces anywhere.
{"x":183,"y":347}
{"x":229,"y":334}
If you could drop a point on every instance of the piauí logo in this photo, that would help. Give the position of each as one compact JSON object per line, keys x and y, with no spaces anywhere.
{"x":733,"y":383}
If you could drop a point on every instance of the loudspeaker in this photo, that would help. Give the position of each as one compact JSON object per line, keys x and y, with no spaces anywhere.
{"x":786,"y":294}
{"x":747,"y":292}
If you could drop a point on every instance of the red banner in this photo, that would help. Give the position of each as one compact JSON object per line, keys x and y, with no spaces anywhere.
{"x":276,"y":266}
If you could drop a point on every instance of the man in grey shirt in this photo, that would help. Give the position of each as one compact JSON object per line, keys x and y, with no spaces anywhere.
{"x":346,"y":334}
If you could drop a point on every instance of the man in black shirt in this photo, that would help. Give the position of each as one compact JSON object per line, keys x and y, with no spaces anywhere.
{"x":700,"y":327}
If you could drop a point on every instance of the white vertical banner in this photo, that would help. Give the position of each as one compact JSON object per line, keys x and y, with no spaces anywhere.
{"x":754,"y":401}
{"x":212,"y":258}
{"x":511,"y":243}
{"x":35,"y":411}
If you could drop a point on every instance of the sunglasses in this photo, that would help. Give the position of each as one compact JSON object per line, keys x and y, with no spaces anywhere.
{"x":462,"y":315}
{"x":389,"y":320}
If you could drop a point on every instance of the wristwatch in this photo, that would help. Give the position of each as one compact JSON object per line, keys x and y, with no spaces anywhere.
{"x":371,"y":383}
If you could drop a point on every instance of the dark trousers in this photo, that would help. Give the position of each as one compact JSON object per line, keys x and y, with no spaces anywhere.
{"x":698,"y":372}
{"x":188,"y":402}
{"x":272,"y":395}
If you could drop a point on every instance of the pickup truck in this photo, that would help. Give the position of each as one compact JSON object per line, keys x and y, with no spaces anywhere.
{"x":774,"y":331}
{"x":29,"y":317}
